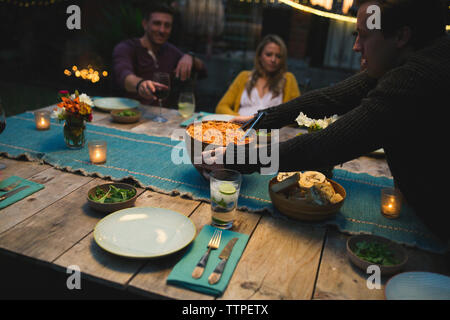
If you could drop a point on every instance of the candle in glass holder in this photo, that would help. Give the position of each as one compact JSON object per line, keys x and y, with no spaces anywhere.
{"x":42,"y":119}
{"x":391,"y":203}
{"x":97,"y":151}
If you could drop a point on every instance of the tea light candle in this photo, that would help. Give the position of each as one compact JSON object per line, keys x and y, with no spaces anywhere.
{"x":97,"y":151}
{"x":391,"y":203}
{"x":42,"y":119}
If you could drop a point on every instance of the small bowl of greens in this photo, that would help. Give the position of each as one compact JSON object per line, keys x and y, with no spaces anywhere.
{"x":111,"y":197}
{"x":126,"y":116}
{"x":366,"y":250}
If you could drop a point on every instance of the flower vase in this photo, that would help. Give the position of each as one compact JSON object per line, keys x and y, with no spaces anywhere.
{"x":74,"y":133}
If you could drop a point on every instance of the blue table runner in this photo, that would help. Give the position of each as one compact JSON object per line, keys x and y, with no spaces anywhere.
{"x":147,"y":160}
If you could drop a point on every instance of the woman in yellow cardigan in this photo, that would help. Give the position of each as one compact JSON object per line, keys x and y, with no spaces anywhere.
{"x":267,"y":85}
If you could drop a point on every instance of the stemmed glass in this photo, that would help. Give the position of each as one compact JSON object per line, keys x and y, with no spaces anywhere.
{"x":2,"y":127}
{"x":161,"y":92}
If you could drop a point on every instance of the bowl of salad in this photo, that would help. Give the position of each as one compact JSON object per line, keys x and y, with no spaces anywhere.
{"x":110,"y":197}
{"x":126,"y":116}
{"x":366,"y":250}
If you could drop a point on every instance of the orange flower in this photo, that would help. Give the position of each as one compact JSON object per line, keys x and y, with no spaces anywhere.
{"x":69,"y":105}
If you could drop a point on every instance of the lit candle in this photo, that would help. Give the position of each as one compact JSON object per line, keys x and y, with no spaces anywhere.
{"x":97,"y":151}
{"x":391,"y":203}
{"x":42,"y":119}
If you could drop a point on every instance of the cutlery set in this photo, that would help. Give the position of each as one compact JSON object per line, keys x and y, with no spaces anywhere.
{"x":214,"y":244}
{"x":13,"y":192}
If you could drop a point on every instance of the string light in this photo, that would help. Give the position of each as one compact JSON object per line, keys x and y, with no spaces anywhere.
{"x":325,"y":13}
{"x":32,"y":3}
{"x":318,"y":12}
{"x":88,"y":73}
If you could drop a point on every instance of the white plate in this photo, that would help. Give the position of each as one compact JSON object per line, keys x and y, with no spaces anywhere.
{"x":218,"y":117}
{"x":109,"y":104}
{"x":378,"y":152}
{"x":144,"y":232}
{"x":418,"y":286}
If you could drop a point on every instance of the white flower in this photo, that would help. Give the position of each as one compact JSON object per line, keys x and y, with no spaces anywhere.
{"x":321,"y":123}
{"x":57,"y":113}
{"x":83,"y":98}
{"x":304,"y":121}
{"x":86,"y":99}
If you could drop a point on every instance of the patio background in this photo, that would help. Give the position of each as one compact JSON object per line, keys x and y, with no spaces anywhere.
{"x":40,"y":47}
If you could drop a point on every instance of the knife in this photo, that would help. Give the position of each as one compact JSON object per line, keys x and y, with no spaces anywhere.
{"x":11,"y":193}
{"x":224,"y":255}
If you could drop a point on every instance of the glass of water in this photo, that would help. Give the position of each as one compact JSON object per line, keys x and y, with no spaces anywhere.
{"x":186,"y":104}
{"x":225,"y":186}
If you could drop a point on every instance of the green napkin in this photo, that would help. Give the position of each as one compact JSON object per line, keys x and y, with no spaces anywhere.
{"x":193,"y":118}
{"x":21,"y":194}
{"x":181,"y":274}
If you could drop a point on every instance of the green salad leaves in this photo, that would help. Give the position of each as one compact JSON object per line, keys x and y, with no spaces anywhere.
{"x":375,"y":252}
{"x":127,"y":113}
{"x":113,"y":195}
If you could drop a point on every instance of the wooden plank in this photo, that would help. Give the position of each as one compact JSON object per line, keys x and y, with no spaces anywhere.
{"x":21,"y":168}
{"x":107,"y":122}
{"x":339,"y":279}
{"x":152,"y":278}
{"x":53,"y":230}
{"x":159,"y":129}
{"x":98,"y":115}
{"x":99,"y":265}
{"x":106,"y":268}
{"x":57,"y":185}
{"x":280,"y":262}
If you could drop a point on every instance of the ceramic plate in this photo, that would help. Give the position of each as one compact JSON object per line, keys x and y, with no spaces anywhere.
{"x":144,"y":232}
{"x":378,"y":152}
{"x":418,"y":286}
{"x":218,"y":117}
{"x":109,"y":104}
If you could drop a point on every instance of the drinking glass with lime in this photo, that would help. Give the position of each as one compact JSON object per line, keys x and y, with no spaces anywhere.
{"x":224,"y":185}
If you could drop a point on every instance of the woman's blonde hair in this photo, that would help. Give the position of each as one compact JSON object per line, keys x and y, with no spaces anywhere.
{"x":276,"y":79}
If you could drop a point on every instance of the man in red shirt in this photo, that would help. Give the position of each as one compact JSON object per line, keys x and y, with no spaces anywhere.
{"x":136,"y":60}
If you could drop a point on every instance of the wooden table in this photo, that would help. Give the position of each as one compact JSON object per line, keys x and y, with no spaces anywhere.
{"x":283,"y":259}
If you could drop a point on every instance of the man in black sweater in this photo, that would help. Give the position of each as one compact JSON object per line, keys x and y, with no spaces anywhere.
{"x":396,"y":103}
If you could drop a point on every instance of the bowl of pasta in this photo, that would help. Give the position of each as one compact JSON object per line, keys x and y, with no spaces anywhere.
{"x":208,"y":135}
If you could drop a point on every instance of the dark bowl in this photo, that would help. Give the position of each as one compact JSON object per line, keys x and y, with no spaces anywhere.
{"x":111,"y":207}
{"x":125,"y":119}
{"x":398,"y":251}
{"x":193,"y":145}
{"x":302,"y":210}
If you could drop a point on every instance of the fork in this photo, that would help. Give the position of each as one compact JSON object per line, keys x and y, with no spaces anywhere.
{"x":11,"y":186}
{"x":213,"y":244}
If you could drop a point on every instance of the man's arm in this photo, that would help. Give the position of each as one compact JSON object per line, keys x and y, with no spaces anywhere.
{"x":320,"y":103}
{"x":187,"y":64}
{"x":125,"y":73}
